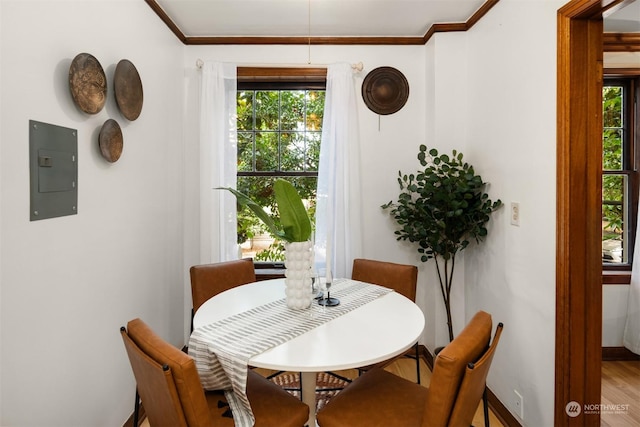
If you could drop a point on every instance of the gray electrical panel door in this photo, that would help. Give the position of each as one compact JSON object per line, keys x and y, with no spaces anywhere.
{"x":53,"y":164}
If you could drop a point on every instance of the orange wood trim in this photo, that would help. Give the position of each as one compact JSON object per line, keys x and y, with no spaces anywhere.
{"x":426,"y":355}
{"x":500,"y":411}
{"x":612,"y":72}
{"x":484,"y":9}
{"x":346,"y":40}
{"x":621,"y":42}
{"x":450,"y":27}
{"x":618,"y":354}
{"x":443,"y":28}
{"x":142,"y":415}
{"x":243,"y":40}
{"x":613,"y":277}
{"x":578,"y":259}
{"x":281,"y":73}
{"x":165,"y":18}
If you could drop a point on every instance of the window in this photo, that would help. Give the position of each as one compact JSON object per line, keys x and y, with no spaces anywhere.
{"x":279,"y":133}
{"x":619,"y":175}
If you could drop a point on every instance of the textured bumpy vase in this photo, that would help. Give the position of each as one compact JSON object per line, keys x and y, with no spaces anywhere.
{"x":298,"y":262}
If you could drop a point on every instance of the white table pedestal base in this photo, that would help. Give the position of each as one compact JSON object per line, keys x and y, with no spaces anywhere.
{"x":308,"y":382}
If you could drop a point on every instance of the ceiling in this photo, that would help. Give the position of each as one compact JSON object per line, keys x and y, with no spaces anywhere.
{"x":625,"y":20}
{"x":334,"y":18}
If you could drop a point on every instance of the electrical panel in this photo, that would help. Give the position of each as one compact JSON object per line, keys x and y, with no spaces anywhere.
{"x":53,"y":164}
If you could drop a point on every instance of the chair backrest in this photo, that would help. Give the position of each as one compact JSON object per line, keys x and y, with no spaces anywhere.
{"x":449,"y":369}
{"x":155,"y":386}
{"x":182,"y":368}
{"x":473,"y":385}
{"x":208,"y":280}
{"x":400,"y":277}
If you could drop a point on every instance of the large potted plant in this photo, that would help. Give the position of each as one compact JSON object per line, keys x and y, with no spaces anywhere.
{"x":442,"y":209}
{"x":293,"y":226}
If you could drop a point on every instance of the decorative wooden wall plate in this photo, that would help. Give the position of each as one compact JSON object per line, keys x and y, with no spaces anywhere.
{"x":128,"y":89}
{"x":88,"y":83}
{"x":385,"y":90}
{"x":111,"y":141}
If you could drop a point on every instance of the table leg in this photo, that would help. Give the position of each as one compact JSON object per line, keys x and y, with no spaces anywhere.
{"x":309,"y":395}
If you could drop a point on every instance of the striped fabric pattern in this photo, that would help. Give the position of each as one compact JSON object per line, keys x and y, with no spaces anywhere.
{"x":222,"y":349}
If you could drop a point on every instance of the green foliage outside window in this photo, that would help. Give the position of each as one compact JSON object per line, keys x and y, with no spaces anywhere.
{"x":279,"y":133}
{"x":613,"y":184}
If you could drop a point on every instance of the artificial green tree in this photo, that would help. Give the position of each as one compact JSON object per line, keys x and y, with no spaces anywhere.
{"x":442,"y":209}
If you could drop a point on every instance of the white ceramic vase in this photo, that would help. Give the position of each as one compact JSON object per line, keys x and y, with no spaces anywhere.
{"x":298,"y":263}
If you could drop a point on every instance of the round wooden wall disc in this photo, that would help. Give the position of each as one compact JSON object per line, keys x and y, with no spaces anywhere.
{"x":128,"y":89}
{"x":88,"y":83}
{"x":111,"y":141}
{"x":385,"y":90}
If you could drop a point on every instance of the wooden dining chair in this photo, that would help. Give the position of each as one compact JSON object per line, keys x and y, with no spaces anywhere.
{"x":403,"y":279}
{"x":208,"y":280}
{"x":172,"y":394}
{"x":379,"y":398}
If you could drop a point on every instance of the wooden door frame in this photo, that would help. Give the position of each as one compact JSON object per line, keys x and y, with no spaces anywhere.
{"x":578,"y":358}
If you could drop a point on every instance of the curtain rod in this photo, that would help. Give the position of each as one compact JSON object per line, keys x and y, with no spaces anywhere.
{"x":355,"y":67}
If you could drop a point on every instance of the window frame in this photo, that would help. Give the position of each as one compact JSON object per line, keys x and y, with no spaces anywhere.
{"x":278,"y":78}
{"x":630,"y":79}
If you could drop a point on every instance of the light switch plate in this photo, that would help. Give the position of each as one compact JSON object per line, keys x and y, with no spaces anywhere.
{"x":515,"y":213}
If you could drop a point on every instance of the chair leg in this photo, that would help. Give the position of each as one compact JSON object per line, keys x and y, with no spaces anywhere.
{"x":275,"y":374}
{"x":485,"y":402}
{"x":417,"y":358}
{"x":417,"y":364}
{"x":301,"y":390}
{"x":136,"y":409}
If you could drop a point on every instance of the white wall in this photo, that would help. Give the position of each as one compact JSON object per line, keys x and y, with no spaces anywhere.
{"x":511,"y":138}
{"x":614,"y":314}
{"x":622,"y":59}
{"x":68,"y":284}
{"x":446,"y":131}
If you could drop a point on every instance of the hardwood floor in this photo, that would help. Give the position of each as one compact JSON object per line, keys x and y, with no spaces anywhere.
{"x":621,"y":394}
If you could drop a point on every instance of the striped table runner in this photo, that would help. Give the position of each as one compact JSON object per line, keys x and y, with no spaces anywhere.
{"x":222,"y":349}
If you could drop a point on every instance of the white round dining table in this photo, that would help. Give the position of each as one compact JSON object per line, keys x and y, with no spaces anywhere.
{"x":371,"y":333}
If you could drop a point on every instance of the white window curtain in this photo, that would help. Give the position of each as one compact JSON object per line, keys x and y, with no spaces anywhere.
{"x":338,"y":234}
{"x":631,"y":337}
{"x":218,"y":152}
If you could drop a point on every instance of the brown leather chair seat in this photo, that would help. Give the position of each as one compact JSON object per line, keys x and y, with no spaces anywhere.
{"x":381,"y":399}
{"x":172,"y":394}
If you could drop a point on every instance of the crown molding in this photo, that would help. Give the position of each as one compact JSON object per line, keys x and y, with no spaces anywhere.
{"x":621,"y":42}
{"x":244,"y":40}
